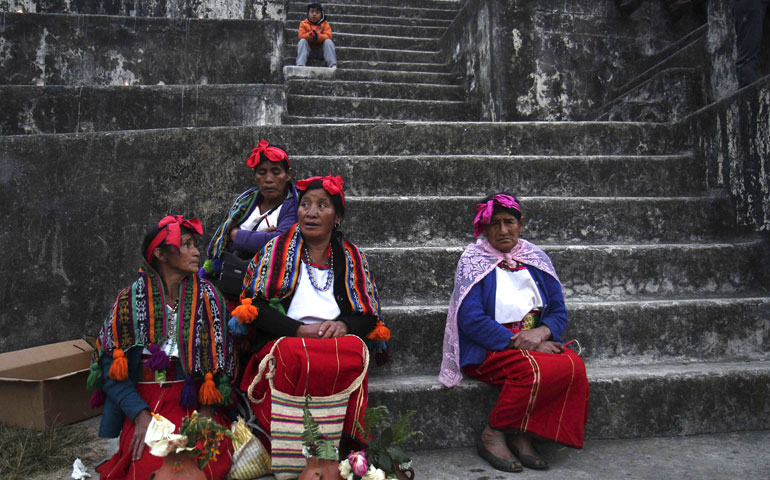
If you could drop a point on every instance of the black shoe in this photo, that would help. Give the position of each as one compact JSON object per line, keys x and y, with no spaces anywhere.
{"x":510,"y":465}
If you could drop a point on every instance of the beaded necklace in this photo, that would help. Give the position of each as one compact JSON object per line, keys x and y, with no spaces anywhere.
{"x":329,"y":278}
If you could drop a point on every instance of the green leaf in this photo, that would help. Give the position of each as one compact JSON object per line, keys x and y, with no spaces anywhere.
{"x":385,"y":462}
{"x":398,"y":455}
{"x":386,"y":438}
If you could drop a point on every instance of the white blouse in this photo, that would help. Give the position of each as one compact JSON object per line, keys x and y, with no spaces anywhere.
{"x":516,"y":295}
{"x":262,"y":221}
{"x":170,"y":346}
{"x":310,"y":305}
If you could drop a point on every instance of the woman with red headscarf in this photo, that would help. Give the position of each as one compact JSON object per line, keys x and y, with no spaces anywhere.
{"x":504,"y":327}
{"x":314,"y":287}
{"x":164,"y":348}
{"x":258,"y":215}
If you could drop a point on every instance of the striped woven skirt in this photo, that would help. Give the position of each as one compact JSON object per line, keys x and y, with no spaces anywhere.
{"x":545,"y":394}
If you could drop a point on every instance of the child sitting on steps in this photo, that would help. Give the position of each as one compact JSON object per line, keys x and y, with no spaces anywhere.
{"x":315,"y":35}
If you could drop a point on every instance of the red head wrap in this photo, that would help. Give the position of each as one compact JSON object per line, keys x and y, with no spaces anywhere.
{"x":332,"y":185}
{"x":484,"y":211}
{"x":171,"y":232}
{"x":274,"y":154}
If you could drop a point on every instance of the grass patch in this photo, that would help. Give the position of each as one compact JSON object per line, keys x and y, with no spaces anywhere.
{"x":30,"y":452}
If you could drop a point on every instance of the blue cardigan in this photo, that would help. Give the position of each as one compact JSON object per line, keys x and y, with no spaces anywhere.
{"x":252,"y":242}
{"x":479,"y":331}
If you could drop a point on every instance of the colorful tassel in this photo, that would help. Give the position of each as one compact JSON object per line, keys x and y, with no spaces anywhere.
{"x":208,"y":267}
{"x":275,"y":304}
{"x":380,"y":333}
{"x":119,"y":367}
{"x":97,"y":399}
{"x":216,"y":265}
{"x":202,"y":273}
{"x":381,"y":358}
{"x":158,"y":360}
{"x":188,"y":398}
{"x":246,"y":312}
{"x":237,"y":328}
{"x":226,"y":390}
{"x":94,"y":381}
{"x":208,"y":394}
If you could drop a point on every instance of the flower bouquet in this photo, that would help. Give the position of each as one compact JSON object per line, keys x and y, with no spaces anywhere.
{"x":198,"y":439}
{"x":385,"y":457}
{"x":321,"y":453}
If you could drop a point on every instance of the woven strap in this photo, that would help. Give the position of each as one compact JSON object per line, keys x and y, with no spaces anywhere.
{"x":267,"y":368}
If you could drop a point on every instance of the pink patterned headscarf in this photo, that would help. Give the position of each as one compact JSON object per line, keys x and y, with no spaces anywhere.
{"x":485,"y":210}
{"x":476,"y":262}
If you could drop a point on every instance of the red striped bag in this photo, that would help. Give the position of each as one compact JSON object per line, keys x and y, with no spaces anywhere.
{"x":287,"y":414}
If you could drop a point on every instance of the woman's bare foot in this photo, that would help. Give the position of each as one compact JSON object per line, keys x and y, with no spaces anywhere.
{"x":494,"y":441}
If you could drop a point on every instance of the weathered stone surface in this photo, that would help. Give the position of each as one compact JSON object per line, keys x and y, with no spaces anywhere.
{"x":372,"y":40}
{"x":447,"y":221}
{"x":67,"y":109}
{"x":542,"y":175}
{"x":226,"y":9}
{"x":545,"y":60}
{"x":432,"y":10}
{"x":46,"y":49}
{"x":421,"y":31}
{"x":338,"y":88}
{"x":385,"y":108}
{"x":425,"y":276}
{"x":669,"y":96}
{"x":732,"y":137}
{"x":634,"y":401}
{"x":611,"y":333}
{"x":294,"y":17}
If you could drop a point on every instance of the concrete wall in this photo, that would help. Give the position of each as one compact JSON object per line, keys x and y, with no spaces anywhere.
{"x":553,"y":59}
{"x":732,"y":137}
{"x":235,"y":9}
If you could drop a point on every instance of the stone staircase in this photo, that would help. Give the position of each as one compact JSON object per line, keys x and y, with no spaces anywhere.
{"x":667,"y":296}
{"x":389,"y":65}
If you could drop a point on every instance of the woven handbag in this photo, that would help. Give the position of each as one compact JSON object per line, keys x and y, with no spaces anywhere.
{"x":250,"y":458}
{"x":287,"y":414}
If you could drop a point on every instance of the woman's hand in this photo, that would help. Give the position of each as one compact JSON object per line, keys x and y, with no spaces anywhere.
{"x":549,"y":347}
{"x":141,"y":422}
{"x":530,"y":339}
{"x":233,"y":233}
{"x":332,"y":329}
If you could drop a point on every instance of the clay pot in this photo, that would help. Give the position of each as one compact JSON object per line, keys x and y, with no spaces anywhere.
{"x":402,"y":474}
{"x":321,"y":469}
{"x":170,"y":469}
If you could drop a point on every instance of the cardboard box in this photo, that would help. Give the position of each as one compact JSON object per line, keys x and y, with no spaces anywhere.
{"x":45,"y":386}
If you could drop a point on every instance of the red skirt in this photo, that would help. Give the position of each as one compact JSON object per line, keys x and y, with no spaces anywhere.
{"x":316,"y":367}
{"x":545,"y":394}
{"x":163,"y":400}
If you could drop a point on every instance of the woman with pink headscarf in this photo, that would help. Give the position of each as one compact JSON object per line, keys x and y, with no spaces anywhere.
{"x":504,"y":327}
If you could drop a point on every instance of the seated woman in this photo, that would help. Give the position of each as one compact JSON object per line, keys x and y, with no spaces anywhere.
{"x":506,"y":317}
{"x":258,"y":215}
{"x":160,"y":350}
{"x":323,"y":284}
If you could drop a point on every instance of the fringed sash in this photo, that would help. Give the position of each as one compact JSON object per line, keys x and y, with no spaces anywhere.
{"x":139,"y":318}
{"x":237,"y":215}
{"x":273,"y":273}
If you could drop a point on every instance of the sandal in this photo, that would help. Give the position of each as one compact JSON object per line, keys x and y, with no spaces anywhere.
{"x":509,"y":465}
{"x":535,"y":462}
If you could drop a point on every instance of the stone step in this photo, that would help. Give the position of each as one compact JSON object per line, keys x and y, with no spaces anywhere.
{"x":66,"y":109}
{"x":549,"y":220}
{"x":650,"y":458}
{"x":366,"y":70}
{"x":229,"y":145}
{"x":334,"y":88}
{"x":49,"y":49}
{"x":693,"y":35}
{"x":669,"y":96}
{"x":369,"y":40}
{"x":626,"y":402}
{"x":294,"y":18}
{"x":692,"y":55}
{"x":610,"y":333}
{"x":387,"y":55}
{"x":333,"y":10}
{"x":552,"y":175}
{"x":215,"y":9}
{"x":385,"y":108}
{"x":302,"y":120}
{"x":425,"y":275}
{"x":380,"y":29}
{"x":440,"y":4}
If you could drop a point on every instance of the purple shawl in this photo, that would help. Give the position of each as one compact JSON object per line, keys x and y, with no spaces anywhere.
{"x":475,"y":263}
